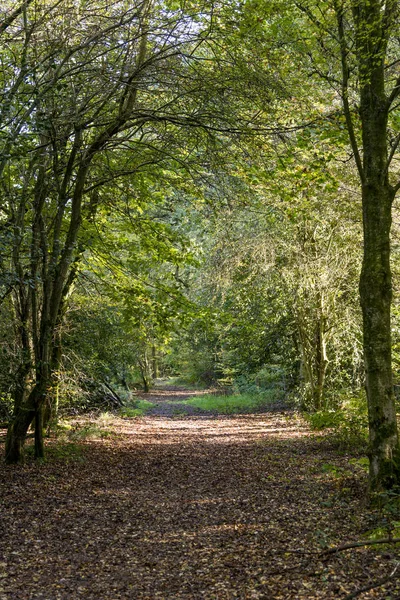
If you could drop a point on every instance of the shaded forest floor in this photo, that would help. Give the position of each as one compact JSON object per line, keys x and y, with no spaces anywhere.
{"x":172,"y":507}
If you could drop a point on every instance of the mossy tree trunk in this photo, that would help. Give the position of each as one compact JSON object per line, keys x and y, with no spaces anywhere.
{"x":376,"y":284}
{"x":30,"y":410}
{"x":16,"y":434}
{"x":372,"y":25}
{"x":375,"y":295}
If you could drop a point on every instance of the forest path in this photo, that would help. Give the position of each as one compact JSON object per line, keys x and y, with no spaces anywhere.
{"x":187,"y":508}
{"x":167,"y":401}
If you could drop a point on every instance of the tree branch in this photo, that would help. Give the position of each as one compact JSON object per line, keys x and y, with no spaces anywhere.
{"x":14,"y":15}
{"x":388,"y":540}
{"x":374,"y":585}
{"x":345,"y":89}
{"x":393,"y":151}
{"x":394,"y":93}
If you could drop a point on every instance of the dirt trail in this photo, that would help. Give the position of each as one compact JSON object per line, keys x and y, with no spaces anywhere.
{"x":194,"y":508}
{"x":168,"y":401}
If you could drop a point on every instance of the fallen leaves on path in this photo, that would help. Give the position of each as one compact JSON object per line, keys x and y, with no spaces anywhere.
{"x":218,"y":508}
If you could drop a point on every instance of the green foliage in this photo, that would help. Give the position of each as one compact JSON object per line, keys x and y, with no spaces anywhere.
{"x":324,"y":419}
{"x":228,"y":260}
{"x":137,"y":408}
{"x":387,"y":506}
{"x":194,"y":353}
{"x":6,"y":407}
{"x":362,"y":463}
{"x":270,"y":379}
{"x":180,"y":381}
{"x":235,"y":404}
{"x":383,"y":530}
{"x":334,"y":470}
{"x":347,"y":425}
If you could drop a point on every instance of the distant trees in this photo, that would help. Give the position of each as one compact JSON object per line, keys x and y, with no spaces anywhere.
{"x":280,"y":274}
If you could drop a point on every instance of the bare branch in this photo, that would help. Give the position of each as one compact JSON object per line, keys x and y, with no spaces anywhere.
{"x":388,"y":540}
{"x":374,"y":585}
{"x":393,"y":151}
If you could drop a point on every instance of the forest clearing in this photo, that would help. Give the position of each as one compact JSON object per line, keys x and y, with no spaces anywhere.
{"x":215,"y":507}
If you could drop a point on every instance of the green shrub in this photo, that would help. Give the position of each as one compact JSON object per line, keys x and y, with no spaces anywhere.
{"x":270,"y":376}
{"x":270,"y":380}
{"x":348,"y":424}
{"x":323,"y":419}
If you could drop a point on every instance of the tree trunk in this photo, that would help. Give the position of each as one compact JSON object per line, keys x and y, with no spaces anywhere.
{"x":321,"y":360}
{"x":32,"y":408}
{"x":145,"y":371}
{"x":374,"y":22}
{"x":375,"y":295}
{"x":16,"y":435}
{"x":154,"y":362}
{"x":39,"y":443}
{"x":50,"y":408}
{"x":376,"y":279}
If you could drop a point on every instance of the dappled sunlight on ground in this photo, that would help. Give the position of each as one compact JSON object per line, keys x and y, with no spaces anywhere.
{"x":243,"y":429}
{"x":214,"y":508}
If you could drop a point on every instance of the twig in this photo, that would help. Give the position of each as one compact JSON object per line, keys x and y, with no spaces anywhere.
{"x":373,"y":585}
{"x":348,"y":546}
{"x":389,"y":540}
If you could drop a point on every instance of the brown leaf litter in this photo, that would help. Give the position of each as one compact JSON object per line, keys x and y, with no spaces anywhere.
{"x":216,"y":508}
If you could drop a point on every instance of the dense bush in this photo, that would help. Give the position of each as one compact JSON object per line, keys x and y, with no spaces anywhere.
{"x":347,"y":425}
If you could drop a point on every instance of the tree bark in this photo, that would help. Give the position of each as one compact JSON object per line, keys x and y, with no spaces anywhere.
{"x":16,"y":435}
{"x":31,"y":410}
{"x":154,"y":361}
{"x":321,"y":362}
{"x":376,"y":277}
{"x":373,"y":22}
{"x":39,"y":442}
{"x":375,"y":296}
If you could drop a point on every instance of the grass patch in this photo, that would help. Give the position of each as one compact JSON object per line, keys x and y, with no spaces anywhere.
{"x":67,"y":452}
{"x":238,"y":403}
{"x":90,"y":431}
{"x":136,"y":409}
{"x":60,"y":451}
